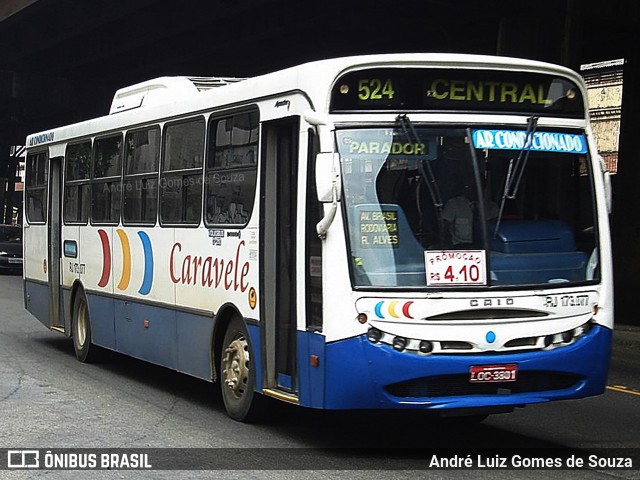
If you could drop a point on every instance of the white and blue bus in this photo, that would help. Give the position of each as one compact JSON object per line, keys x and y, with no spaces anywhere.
{"x":416,"y":231}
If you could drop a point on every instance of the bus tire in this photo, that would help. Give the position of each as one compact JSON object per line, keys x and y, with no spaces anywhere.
{"x":81,"y":329}
{"x":237,"y":373}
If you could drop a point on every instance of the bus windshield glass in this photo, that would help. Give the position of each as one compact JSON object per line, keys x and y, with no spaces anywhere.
{"x":473,"y":208}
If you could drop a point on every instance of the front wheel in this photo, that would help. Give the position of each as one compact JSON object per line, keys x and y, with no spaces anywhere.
{"x":81,"y":329}
{"x":237,"y":374}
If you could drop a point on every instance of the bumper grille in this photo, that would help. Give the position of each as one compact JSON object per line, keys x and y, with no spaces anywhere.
{"x":458,"y":385}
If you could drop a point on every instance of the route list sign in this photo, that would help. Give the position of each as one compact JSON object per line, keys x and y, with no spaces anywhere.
{"x":379,"y":228}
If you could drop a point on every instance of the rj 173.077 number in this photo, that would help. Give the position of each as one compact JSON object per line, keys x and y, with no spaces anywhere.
{"x":375,"y":89}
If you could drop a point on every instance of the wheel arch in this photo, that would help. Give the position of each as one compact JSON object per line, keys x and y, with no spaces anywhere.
{"x":75,"y":288}
{"x":222,"y":319}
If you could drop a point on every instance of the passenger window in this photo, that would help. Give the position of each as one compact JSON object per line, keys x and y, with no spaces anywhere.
{"x":77,"y":198}
{"x":105,"y":188}
{"x":36,"y":187}
{"x":181,"y":179}
{"x":140,"y":185}
{"x":232,"y":169}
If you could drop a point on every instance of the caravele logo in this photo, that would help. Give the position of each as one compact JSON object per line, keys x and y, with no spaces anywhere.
{"x":189,"y":268}
{"x":125,"y":277}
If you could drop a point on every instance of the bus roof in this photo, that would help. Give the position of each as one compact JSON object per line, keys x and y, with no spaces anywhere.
{"x":167,"y":97}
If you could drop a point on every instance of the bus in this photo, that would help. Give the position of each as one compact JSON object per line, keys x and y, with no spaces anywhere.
{"x":394,"y":231}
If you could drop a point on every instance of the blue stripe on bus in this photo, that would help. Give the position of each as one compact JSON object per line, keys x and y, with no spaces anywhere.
{"x":256,"y":344}
{"x":36,"y":297}
{"x":147,"y":281}
{"x":160,"y":335}
{"x":311,"y":379}
{"x":351,"y":373}
{"x":101,"y":313}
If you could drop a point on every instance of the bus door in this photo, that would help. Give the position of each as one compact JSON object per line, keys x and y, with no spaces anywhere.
{"x":278,"y":253}
{"x":54,"y":242}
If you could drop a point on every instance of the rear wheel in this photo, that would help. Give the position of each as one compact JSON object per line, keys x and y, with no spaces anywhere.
{"x":81,"y":329}
{"x":237,"y":374}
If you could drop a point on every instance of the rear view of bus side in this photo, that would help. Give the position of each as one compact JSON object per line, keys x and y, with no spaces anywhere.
{"x":417,"y":231}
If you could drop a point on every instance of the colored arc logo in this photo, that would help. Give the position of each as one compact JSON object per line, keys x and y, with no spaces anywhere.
{"x":125,"y":277}
{"x":392,"y":308}
{"x":106,"y":258}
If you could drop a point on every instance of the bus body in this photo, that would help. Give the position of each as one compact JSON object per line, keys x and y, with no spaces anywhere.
{"x":416,"y":231}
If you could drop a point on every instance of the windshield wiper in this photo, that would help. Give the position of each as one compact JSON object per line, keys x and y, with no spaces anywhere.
{"x":516,"y":170}
{"x":410,"y":132}
{"x":424,"y":168}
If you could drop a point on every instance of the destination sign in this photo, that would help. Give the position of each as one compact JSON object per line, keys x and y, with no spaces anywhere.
{"x":423,"y":89}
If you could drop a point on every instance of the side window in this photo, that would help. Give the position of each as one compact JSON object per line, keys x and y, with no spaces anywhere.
{"x":37,"y":174}
{"x":140,"y":185}
{"x":231,"y":169}
{"x":105,"y":188}
{"x":76,"y":183}
{"x":181,"y":179}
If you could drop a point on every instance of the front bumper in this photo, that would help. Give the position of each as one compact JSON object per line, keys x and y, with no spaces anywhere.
{"x":361,"y":374}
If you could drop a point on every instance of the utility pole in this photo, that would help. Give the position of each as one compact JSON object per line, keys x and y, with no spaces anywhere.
{"x":4,"y":166}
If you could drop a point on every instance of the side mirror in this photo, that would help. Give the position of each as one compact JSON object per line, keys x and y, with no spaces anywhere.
{"x":328,"y":177}
{"x":327,"y":169}
{"x":328,"y":188}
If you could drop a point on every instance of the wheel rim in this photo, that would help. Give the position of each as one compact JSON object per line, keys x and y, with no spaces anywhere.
{"x":235,"y":368}
{"x":81,"y":325}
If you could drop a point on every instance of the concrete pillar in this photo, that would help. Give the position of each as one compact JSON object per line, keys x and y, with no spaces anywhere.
{"x":12,"y":167}
{"x":5,"y":149}
{"x":546,"y":32}
{"x":625,"y":219}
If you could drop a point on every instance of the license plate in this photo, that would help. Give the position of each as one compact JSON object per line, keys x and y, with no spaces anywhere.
{"x":493,"y":373}
{"x":15,"y":260}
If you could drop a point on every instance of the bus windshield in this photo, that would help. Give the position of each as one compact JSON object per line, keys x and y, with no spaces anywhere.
{"x":457,"y":207}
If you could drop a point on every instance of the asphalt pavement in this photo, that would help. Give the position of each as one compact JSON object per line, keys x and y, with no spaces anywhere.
{"x":626,"y":335}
